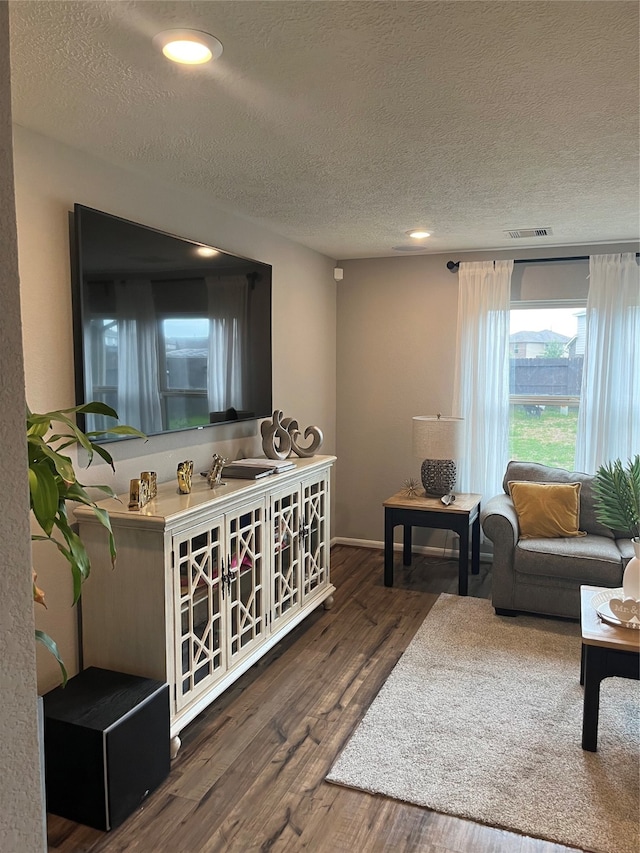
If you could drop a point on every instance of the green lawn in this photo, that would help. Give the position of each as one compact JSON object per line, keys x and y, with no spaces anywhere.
{"x":549,"y":438}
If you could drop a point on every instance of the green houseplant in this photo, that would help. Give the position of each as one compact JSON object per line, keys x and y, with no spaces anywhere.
{"x":617,"y":493}
{"x":53,"y":483}
{"x":617,"y":499}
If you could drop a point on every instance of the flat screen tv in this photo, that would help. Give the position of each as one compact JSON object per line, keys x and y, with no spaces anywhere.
{"x":171,"y":333}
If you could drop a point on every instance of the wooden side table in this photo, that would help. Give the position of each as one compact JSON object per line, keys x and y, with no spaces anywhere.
{"x":422,"y":511}
{"x":607,"y":651}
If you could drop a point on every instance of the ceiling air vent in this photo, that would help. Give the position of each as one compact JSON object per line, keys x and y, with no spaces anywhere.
{"x":529,"y":232}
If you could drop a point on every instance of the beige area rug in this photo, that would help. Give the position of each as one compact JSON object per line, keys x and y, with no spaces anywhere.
{"x":482,"y":718}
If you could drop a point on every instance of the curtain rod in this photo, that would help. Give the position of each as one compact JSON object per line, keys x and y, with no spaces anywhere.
{"x":453,"y":265}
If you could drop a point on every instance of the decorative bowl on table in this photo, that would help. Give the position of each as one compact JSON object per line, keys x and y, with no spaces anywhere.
{"x":612,"y":607}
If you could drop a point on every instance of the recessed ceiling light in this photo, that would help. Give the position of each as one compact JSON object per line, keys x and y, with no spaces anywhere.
{"x":206,"y":251}
{"x":189,"y":47}
{"x":418,"y":233}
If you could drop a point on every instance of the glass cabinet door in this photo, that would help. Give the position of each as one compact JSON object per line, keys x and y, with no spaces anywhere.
{"x":244,"y":581}
{"x":197,"y":556}
{"x":315,"y":559}
{"x":286,"y":530}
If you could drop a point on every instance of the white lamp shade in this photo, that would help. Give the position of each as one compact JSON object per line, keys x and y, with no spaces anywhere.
{"x":437,"y":437}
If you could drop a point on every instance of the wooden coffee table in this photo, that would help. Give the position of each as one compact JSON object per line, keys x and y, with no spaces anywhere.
{"x":607,"y":651}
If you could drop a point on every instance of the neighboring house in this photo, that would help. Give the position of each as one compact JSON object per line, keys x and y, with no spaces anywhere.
{"x":576,"y":344}
{"x":534,"y":344}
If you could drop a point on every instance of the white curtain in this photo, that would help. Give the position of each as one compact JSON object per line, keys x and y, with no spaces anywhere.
{"x":228,"y":333}
{"x":138,"y":385}
{"x":96,"y":373}
{"x":481,"y":391}
{"x":609,"y":413}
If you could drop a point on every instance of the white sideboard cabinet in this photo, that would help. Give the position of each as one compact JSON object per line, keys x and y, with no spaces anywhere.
{"x":206,"y":583}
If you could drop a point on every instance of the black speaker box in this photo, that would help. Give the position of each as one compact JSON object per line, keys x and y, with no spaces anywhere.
{"x":106,"y":739}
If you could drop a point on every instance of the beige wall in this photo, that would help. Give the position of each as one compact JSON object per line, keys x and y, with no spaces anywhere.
{"x":49,"y":178}
{"x":396,"y":359}
{"x":21,"y":806}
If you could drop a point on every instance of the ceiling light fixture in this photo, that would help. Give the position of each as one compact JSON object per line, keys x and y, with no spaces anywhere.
{"x":206,"y":251}
{"x":418,"y":233}
{"x":189,"y":47}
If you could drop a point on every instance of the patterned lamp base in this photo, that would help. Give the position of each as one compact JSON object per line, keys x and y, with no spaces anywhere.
{"x":438,"y":476}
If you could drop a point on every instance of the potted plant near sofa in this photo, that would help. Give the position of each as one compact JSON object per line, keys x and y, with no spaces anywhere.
{"x":617,"y":499}
{"x":53,"y":483}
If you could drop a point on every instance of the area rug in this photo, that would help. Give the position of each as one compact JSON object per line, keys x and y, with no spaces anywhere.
{"x":482,"y":718}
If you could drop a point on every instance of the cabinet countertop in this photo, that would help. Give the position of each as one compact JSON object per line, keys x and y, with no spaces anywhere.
{"x":170,"y":505}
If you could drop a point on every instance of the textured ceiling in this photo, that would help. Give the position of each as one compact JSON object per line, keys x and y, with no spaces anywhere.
{"x":343,"y":124}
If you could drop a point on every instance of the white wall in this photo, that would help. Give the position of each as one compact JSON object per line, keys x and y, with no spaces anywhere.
{"x":396,"y":359}
{"x":50,"y":178}
{"x":21,"y":807}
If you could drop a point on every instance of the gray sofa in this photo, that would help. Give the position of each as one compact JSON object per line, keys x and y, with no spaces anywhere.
{"x":545,"y":575}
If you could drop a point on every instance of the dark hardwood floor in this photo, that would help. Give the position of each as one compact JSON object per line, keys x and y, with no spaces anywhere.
{"x":250,"y":774}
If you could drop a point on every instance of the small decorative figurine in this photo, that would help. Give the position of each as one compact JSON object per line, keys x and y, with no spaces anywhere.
{"x":151,"y":478}
{"x":185,"y":473}
{"x":215,"y":471}
{"x":411,"y":488}
{"x":134,"y":493}
{"x":142,"y":489}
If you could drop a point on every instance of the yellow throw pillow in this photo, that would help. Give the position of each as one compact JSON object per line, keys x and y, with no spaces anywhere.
{"x":546,"y":510}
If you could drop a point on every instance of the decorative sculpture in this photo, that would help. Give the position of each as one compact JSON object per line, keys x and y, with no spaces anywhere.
{"x":142,"y":489}
{"x":151,"y":479}
{"x":185,"y":473}
{"x":281,"y":437}
{"x":276,"y":441}
{"x":135,"y":493}
{"x":215,"y":471}
{"x":411,"y":488}
{"x":291,"y":426}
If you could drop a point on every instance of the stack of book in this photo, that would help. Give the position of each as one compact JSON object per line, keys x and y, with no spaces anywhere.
{"x":253,"y":469}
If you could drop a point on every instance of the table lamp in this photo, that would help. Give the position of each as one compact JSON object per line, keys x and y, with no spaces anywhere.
{"x":437,"y":440}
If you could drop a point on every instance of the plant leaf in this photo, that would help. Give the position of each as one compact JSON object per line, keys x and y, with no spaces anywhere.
{"x":103,"y":517}
{"x":44,"y":496}
{"x":617,"y":495}
{"x":51,"y":646}
{"x":78,"y":557}
{"x":39,"y":449}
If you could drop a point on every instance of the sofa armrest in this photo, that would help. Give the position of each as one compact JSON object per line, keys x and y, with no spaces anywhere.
{"x":500,"y":522}
{"x":625,"y":546}
{"x":500,"y":525}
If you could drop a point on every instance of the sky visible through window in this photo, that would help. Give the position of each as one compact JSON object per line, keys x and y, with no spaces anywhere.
{"x":561,"y":320}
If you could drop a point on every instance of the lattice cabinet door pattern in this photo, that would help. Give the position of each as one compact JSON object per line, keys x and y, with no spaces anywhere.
{"x":286,"y":527}
{"x":198,"y":590}
{"x":245,"y":593}
{"x":315,"y":509}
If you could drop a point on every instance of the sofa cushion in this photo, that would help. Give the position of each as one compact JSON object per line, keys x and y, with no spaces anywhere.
{"x":535,"y":472}
{"x":546,"y":510}
{"x":592,"y":560}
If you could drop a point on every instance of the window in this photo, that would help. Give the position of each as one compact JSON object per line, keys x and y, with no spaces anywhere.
{"x":184,"y":350}
{"x":546,"y":355}
{"x":101,"y":363}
